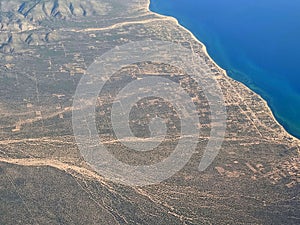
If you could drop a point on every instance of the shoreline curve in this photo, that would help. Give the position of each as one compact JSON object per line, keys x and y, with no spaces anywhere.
{"x":204,"y":49}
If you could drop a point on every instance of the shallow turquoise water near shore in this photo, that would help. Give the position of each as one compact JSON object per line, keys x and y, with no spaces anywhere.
{"x":257,"y":42}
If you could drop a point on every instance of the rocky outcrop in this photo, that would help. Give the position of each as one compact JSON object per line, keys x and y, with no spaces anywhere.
{"x":59,"y":9}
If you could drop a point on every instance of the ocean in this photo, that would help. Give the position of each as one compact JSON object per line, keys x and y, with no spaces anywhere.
{"x":257,"y":42}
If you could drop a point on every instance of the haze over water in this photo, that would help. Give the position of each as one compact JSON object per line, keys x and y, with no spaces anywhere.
{"x":257,"y":42}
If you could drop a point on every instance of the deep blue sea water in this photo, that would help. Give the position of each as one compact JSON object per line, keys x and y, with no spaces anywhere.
{"x":257,"y":42}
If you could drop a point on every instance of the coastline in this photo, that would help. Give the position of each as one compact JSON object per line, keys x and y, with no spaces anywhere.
{"x":204,"y":49}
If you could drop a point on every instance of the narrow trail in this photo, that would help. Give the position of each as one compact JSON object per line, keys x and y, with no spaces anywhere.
{"x":66,"y":167}
{"x":118,"y":25}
